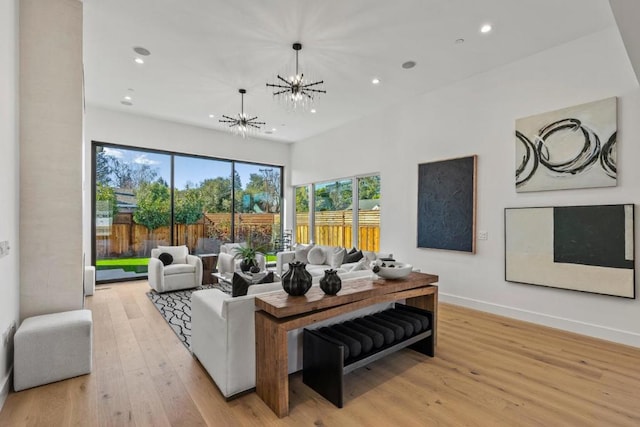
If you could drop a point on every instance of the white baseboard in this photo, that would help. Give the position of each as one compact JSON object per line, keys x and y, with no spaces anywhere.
{"x":590,"y":329}
{"x":4,"y":387}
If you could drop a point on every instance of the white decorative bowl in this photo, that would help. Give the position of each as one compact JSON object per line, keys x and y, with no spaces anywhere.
{"x":398,"y":271}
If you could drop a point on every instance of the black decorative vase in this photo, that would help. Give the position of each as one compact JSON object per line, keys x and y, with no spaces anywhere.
{"x":297,"y":280}
{"x":245,"y":265}
{"x":331,"y":282}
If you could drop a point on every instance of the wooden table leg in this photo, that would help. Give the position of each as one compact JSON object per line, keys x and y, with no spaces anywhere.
{"x":272,"y":380}
{"x":428,"y":302}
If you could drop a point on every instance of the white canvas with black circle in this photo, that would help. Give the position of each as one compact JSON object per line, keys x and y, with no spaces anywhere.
{"x":573,"y":147}
{"x":583,"y":248}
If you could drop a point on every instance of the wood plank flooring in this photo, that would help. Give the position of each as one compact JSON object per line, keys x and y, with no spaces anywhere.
{"x":488,"y":371}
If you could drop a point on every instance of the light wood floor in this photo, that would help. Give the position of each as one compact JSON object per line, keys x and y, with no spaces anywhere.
{"x":488,"y":371}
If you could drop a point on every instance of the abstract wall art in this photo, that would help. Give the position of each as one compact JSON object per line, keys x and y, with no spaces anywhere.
{"x":582,"y":248}
{"x":447,"y":204}
{"x":570,"y":148}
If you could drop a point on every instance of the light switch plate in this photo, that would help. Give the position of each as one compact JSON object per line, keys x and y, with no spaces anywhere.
{"x":483,"y":235}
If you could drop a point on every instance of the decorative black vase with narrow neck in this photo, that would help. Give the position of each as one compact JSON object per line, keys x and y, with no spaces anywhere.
{"x":331,"y":282}
{"x":297,"y":280}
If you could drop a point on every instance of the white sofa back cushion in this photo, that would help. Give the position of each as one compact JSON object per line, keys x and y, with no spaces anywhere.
{"x":179,"y":253}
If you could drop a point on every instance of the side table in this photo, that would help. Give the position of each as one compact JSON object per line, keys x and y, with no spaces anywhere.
{"x":209,"y":262}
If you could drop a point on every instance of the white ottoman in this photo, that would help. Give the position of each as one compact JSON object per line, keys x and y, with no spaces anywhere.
{"x":52,"y":347}
{"x":89,"y":280}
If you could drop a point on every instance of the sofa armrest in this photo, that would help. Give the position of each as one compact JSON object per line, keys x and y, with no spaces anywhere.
{"x":197,"y":262}
{"x":155,"y":274}
{"x":283,"y":258}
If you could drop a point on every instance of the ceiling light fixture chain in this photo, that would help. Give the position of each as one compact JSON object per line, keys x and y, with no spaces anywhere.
{"x":296,"y":92}
{"x":243,"y":125}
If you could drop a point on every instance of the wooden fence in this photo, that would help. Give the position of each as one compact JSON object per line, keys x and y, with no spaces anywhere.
{"x":126,"y":238}
{"x":335,"y":228}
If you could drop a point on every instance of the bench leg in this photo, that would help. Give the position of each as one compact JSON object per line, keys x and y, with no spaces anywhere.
{"x":323,"y":364}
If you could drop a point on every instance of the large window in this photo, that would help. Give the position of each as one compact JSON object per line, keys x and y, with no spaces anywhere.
{"x":146,"y":198}
{"x":328,"y":218}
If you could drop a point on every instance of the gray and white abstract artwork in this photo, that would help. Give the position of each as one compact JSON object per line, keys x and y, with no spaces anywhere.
{"x":570,"y":148}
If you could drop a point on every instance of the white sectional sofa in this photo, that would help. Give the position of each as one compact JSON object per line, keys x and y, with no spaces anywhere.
{"x":223,"y":334}
{"x":320,"y":258}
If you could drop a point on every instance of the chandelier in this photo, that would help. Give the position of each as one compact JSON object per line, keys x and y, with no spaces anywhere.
{"x":243,"y":125}
{"x":296,"y":91}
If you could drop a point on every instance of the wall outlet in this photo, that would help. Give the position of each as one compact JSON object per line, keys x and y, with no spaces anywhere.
{"x":4,"y":248}
{"x":483,"y":235}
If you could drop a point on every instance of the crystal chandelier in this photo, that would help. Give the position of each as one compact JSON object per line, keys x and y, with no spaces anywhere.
{"x":296,"y":91}
{"x":243,"y":125}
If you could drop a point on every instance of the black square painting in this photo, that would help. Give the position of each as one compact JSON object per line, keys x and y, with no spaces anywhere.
{"x":446,"y":204}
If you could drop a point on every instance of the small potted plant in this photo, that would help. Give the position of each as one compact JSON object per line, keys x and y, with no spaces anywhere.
{"x":248,"y":255}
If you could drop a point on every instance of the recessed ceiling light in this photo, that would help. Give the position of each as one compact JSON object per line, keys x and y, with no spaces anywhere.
{"x":409,"y":64}
{"x":485,"y":28}
{"x":128,"y":98}
{"x":127,"y":103}
{"x":459,"y":41}
{"x":211,"y":116}
{"x":141,"y":51}
{"x":139,"y":61}
{"x":375,"y":81}
{"x":273,"y":129}
{"x":313,"y":111}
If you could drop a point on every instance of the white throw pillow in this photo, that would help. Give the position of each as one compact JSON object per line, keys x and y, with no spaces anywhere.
{"x":302,"y":252}
{"x":335,"y":257}
{"x":316,"y":256}
{"x":363,"y":264}
{"x":179,"y":253}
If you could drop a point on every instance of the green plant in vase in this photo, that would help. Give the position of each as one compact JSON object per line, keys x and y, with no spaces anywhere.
{"x":248,"y":254}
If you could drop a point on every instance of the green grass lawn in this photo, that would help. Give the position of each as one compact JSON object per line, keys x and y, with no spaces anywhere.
{"x":121,"y":261}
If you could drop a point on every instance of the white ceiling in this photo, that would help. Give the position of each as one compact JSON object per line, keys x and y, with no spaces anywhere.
{"x":203,"y":51}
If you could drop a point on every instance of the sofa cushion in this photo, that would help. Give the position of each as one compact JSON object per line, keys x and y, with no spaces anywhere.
{"x":166,"y":258}
{"x":335,"y":257}
{"x":302,"y":252}
{"x":179,"y":253}
{"x":179,"y":269}
{"x":240,"y":285}
{"x":354,"y":257}
{"x":316,"y":255}
{"x":262,"y":288}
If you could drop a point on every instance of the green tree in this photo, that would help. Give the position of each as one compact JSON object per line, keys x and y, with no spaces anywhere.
{"x":302,"y":199}
{"x":153,"y":208}
{"x":188,"y":206}
{"x":216,"y":195}
{"x":103,"y":168}
{"x":369,"y":187}
{"x":264,"y":189}
{"x":106,"y":199}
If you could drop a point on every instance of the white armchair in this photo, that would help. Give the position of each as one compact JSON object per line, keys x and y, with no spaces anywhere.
{"x":184,"y":272}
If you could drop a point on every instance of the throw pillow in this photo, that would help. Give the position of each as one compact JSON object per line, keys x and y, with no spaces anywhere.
{"x":165,"y":258}
{"x":316,"y":256}
{"x":363,"y":264}
{"x":354,"y":257}
{"x":352,"y":251}
{"x":240,"y":285}
{"x":336,"y":256}
{"x":302,"y":252}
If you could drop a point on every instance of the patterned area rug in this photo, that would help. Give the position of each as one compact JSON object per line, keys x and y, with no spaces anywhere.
{"x":175,"y":307}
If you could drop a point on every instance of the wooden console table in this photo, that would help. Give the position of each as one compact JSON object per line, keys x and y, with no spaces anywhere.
{"x":279,"y":313}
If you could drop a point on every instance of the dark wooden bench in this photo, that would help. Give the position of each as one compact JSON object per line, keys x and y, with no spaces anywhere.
{"x":330,"y":353}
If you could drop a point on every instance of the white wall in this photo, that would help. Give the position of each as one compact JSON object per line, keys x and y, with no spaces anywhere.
{"x":114,"y":127}
{"x":477,"y":116}
{"x":9,"y":273}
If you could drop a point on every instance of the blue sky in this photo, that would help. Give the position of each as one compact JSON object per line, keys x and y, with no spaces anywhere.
{"x":187,"y":169}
